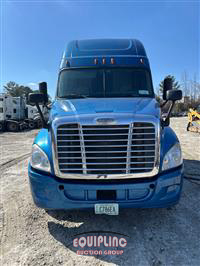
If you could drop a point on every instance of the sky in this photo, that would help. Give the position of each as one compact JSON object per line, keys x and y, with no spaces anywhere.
{"x":35,"y":33}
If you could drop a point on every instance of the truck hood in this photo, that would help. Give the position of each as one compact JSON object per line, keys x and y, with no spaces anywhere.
{"x":78,"y":107}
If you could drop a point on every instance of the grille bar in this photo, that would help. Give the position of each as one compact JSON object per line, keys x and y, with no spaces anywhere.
{"x":104,"y":146}
{"x":91,"y":140}
{"x":128,"y":160}
{"x":106,"y":163}
{"x":82,"y":150}
{"x":114,"y":128}
{"x":116,"y":157}
{"x":108,"y":169}
{"x":99,"y":151}
{"x":102,"y":134}
{"x":110,"y":151}
{"x":94,"y":135}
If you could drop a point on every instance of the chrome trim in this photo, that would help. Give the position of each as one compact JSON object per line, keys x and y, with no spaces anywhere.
{"x":86,"y":120}
{"x":82,"y":149}
{"x":129,"y":148}
{"x":96,"y":169}
{"x":124,"y":157}
{"x":102,"y":140}
{"x":122,"y":128}
{"x":106,"y":121}
{"x":100,"y":151}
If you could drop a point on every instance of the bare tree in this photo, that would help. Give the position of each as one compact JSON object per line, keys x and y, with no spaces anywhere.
{"x":185,"y":83}
{"x":195,"y":88}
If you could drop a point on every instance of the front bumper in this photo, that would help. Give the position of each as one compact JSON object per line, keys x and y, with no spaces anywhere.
{"x":49,"y":192}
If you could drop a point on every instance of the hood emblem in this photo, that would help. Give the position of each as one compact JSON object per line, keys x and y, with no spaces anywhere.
{"x":102,"y":176}
{"x":106,"y":121}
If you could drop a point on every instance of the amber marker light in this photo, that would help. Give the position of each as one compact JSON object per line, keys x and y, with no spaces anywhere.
{"x":112,"y":61}
{"x":141,"y":61}
{"x":95,"y":61}
{"x":67,"y":63}
{"x":104,"y":61}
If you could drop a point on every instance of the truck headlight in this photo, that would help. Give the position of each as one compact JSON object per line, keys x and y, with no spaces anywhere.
{"x":173,"y":157}
{"x":39,"y":159}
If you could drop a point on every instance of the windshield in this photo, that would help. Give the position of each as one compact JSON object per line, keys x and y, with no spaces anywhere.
{"x":115,"y":82}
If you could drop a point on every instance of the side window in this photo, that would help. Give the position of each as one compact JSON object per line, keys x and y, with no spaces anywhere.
{"x":1,"y":99}
{"x":15,"y":111}
{"x":1,"y":110}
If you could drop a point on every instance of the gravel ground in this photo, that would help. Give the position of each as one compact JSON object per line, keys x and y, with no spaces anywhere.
{"x":32,"y":236}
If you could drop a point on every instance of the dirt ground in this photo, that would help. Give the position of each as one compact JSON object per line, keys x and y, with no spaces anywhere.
{"x":32,"y":236}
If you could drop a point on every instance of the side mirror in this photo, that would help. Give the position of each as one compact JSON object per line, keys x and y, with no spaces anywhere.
{"x":167,"y":86}
{"x":36,"y":98}
{"x":43,"y":90}
{"x":173,"y":95}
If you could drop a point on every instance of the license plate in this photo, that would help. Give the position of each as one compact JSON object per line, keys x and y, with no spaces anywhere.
{"x":107,"y":208}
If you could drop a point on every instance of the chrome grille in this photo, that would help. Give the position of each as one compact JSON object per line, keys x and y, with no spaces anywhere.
{"x":106,"y":149}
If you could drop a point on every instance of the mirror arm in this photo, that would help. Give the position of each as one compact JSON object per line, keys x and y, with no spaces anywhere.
{"x":165,"y":121}
{"x":44,"y":123}
{"x":163,"y":104}
{"x":170,"y":109}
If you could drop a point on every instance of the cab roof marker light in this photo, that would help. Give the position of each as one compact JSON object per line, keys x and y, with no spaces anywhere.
{"x":141,"y":61}
{"x":67,"y":63}
{"x":112,"y":61}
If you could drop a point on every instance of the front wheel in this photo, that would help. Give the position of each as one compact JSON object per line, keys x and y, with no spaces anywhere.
{"x":31,"y":124}
{"x":1,"y":127}
{"x":13,"y":126}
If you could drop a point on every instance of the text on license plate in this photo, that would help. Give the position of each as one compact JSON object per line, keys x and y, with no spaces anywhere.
{"x":107,"y":208}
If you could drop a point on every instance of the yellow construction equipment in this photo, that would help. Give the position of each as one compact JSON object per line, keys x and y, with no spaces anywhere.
{"x":194,"y":120}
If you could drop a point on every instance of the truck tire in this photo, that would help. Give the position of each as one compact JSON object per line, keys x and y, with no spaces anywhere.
{"x":13,"y":126}
{"x":1,"y":127}
{"x":31,"y":124}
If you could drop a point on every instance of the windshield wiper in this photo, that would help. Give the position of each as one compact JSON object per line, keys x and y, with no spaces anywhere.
{"x":73,"y":96}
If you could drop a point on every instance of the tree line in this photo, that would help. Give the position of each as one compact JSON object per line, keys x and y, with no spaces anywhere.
{"x":16,"y":90}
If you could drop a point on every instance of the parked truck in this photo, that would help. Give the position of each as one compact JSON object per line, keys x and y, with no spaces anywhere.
{"x":16,"y":114}
{"x":107,"y":144}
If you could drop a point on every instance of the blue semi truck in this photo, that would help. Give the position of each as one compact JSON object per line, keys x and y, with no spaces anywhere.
{"x":107,"y":144}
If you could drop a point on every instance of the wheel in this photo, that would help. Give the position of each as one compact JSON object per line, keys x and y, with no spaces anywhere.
{"x":1,"y":127}
{"x":13,"y":126}
{"x":31,"y":124}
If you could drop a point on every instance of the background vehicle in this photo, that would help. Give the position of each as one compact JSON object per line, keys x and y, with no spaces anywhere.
{"x":106,"y":144}
{"x":194,"y":120}
{"x":16,"y":114}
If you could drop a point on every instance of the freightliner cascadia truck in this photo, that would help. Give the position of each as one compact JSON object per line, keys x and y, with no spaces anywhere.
{"x":107,"y":143}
